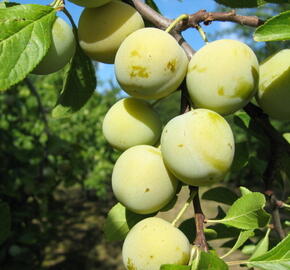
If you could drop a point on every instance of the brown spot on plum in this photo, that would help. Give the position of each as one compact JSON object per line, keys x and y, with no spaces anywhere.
{"x":171,"y":65}
{"x":230,"y":146}
{"x":138,"y":71}
{"x":131,"y":265}
{"x":151,"y":257}
{"x":147,"y":189}
{"x":221,"y":91}
{"x":135,"y":53}
{"x":180,"y":145}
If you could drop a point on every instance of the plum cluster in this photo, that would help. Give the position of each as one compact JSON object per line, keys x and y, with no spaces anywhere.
{"x":195,"y":148}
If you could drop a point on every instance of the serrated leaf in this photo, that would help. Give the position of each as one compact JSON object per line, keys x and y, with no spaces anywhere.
{"x":119,"y":221}
{"x":25,"y":37}
{"x":241,"y":3}
{"x":220,"y":194}
{"x":274,"y":29}
{"x":245,"y":191}
{"x":247,"y":212}
{"x":79,"y":85}
{"x":278,"y":258}
{"x":243,"y":237}
{"x":262,"y":246}
{"x":5,"y":221}
{"x":211,"y":261}
{"x":174,"y":267}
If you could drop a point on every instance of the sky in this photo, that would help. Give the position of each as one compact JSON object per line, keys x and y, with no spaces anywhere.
{"x":169,"y":8}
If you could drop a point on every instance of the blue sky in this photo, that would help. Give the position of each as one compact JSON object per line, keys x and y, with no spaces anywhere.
{"x":169,"y":8}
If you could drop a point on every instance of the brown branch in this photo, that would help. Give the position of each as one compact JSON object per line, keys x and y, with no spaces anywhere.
{"x":208,"y":17}
{"x":196,"y":18}
{"x":200,"y":240}
{"x":151,"y":15}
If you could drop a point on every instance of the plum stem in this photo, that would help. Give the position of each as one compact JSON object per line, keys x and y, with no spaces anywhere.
{"x":180,"y":18}
{"x":202,"y":34}
{"x":185,"y":206}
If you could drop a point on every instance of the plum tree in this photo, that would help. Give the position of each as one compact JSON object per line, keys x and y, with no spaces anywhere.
{"x":140,"y":180}
{"x":274,"y":86}
{"x":223,"y":76}
{"x":198,"y":147}
{"x":131,"y":122}
{"x":150,"y":64}
{"x":90,"y":3}
{"x":153,"y":242}
{"x":101,"y":30}
{"x":61,"y":50}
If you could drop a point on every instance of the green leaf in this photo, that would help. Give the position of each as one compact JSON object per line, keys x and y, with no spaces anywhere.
{"x":278,"y":258}
{"x":5,"y":221}
{"x":119,"y":221}
{"x":174,"y":267}
{"x":245,"y":191}
{"x":25,"y":37}
{"x":247,"y":212}
{"x":211,"y":261}
{"x":241,"y":3}
{"x":243,"y":237}
{"x":262,"y":246}
{"x":241,"y":156}
{"x":220,"y":194}
{"x":188,"y":228}
{"x":274,"y":29}
{"x":79,"y":85}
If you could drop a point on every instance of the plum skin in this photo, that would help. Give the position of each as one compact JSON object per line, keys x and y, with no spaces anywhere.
{"x":150,"y":64}
{"x":62,"y":49}
{"x":101,"y":30}
{"x":140,"y":180}
{"x":223,"y":76}
{"x":131,"y":122}
{"x":198,"y":147}
{"x":153,"y":242}
{"x":274,"y":88}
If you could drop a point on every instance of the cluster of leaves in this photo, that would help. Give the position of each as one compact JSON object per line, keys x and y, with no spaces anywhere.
{"x":40,"y":155}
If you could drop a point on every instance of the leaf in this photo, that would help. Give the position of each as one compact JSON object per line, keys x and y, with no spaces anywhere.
{"x":243,"y":237}
{"x":211,"y":261}
{"x":241,"y":156}
{"x":242,"y":119}
{"x":79,"y":85}
{"x":245,"y":191}
{"x":188,"y":228}
{"x":274,"y":29}
{"x":119,"y":221}
{"x":5,"y":221}
{"x":278,"y":258}
{"x":241,"y":3}
{"x":174,"y":267}
{"x":25,"y":37}
{"x":247,"y":212}
{"x":220,"y":194}
{"x":262,"y":246}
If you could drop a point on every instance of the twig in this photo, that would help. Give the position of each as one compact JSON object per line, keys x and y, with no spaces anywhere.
{"x":200,"y":240}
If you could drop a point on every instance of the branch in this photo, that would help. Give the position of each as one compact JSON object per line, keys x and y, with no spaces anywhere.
{"x":208,"y":17}
{"x":196,"y":18}
{"x":200,"y":240}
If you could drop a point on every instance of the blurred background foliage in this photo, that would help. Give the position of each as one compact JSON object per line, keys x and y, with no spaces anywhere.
{"x":55,"y":174}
